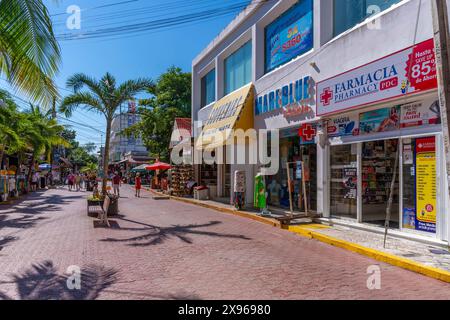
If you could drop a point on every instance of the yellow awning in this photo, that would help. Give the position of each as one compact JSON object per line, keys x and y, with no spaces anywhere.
{"x":234,"y":111}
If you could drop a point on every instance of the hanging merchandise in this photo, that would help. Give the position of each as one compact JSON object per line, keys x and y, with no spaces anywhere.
{"x":239,"y":189}
{"x":260,"y":192}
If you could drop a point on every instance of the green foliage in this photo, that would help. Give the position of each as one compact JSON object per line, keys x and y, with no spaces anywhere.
{"x":102,"y":96}
{"x":29,"y":52}
{"x":79,"y":155}
{"x":171,"y":99}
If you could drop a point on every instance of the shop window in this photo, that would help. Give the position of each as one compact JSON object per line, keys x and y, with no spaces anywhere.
{"x":238,"y":68}
{"x":380,"y":171}
{"x":348,"y":13}
{"x":290,"y":35}
{"x":292,"y":151}
{"x":344,"y":181}
{"x":208,"y":88}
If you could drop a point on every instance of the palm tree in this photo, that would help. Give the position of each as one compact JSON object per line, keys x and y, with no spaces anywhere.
{"x":9,"y":124}
{"x":29,"y":52}
{"x":104,"y":97}
{"x":40,"y":133}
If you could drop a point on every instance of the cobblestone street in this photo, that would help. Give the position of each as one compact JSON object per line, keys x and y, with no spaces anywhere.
{"x":170,"y":250}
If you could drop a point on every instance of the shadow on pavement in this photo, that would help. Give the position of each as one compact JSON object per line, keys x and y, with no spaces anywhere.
{"x":155,"y":235}
{"x":41,"y":282}
{"x":5,"y":241}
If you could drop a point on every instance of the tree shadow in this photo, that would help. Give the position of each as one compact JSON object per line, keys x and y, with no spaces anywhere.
{"x":42,"y":282}
{"x":20,"y":222}
{"x":5,"y":241}
{"x":154,"y":235}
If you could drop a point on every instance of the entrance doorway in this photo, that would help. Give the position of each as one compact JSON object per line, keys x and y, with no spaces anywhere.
{"x":380,"y":172}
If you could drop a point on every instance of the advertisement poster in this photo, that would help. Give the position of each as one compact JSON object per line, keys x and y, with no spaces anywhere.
{"x":420,"y":113}
{"x":343,"y":126}
{"x":380,"y":120}
{"x":426,"y":184}
{"x":409,"y":71}
{"x":350,"y":176}
{"x":290,"y":35}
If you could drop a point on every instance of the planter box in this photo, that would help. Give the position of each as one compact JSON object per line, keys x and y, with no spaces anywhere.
{"x":112,"y":211}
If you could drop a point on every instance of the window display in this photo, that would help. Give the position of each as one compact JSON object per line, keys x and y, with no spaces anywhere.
{"x":293,"y":152}
{"x":344,"y":180}
{"x":378,"y":163}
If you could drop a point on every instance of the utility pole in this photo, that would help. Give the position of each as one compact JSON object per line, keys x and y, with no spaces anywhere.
{"x":441,"y":42}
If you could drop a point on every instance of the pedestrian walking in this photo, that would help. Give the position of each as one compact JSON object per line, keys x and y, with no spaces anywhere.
{"x":138,"y":185}
{"x":117,"y":181}
{"x":34,"y":181}
{"x":78,"y":182}
{"x":70,"y":181}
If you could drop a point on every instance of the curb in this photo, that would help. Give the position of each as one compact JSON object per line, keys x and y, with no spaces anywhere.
{"x":349,"y":246}
{"x":374,"y":254}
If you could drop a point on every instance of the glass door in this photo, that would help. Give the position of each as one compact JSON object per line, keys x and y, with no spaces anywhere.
{"x":344,"y":181}
{"x":380,"y":182}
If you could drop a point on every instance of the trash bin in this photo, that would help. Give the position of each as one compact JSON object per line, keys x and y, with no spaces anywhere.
{"x":201,"y":193}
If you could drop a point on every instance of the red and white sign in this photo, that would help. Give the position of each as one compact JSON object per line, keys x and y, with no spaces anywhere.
{"x":409,"y":71}
{"x":420,"y":113}
{"x":307,"y":132}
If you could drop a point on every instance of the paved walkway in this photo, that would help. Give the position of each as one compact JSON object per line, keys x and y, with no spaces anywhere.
{"x":171,"y":250}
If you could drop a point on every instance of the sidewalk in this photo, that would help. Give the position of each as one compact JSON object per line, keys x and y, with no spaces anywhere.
{"x":427,"y":259}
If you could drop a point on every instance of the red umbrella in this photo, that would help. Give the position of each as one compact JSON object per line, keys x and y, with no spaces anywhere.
{"x":158,"y":166}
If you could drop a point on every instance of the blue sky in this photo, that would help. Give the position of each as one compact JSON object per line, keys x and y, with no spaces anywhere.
{"x":126,"y":57}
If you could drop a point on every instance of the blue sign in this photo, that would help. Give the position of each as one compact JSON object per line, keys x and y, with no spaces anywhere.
{"x":290,"y":35}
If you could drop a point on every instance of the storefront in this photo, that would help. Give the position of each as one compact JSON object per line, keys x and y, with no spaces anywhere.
{"x":382,"y":156}
{"x":232,"y":112}
{"x":297,"y":162}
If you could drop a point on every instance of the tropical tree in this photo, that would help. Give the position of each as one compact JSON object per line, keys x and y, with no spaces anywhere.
{"x":90,"y":168}
{"x":39,"y":134}
{"x":29,"y":53}
{"x":171,"y":98}
{"x":9,"y":124}
{"x":103,"y":96}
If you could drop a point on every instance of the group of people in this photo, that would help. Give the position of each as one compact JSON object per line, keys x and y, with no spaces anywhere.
{"x":117,"y":182}
{"x":77,"y":181}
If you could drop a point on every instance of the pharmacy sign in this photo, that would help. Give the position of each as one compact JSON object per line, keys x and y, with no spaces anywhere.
{"x":405,"y":72}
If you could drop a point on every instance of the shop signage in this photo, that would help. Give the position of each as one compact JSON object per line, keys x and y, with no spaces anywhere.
{"x":420,"y":113}
{"x":234,"y":111}
{"x":409,"y":71}
{"x":426,"y":184}
{"x":294,"y":99}
{"x":307,"y":132}
{"x":343,"y":126}
{"x":380,"y":120}
{"x":290,"y":35}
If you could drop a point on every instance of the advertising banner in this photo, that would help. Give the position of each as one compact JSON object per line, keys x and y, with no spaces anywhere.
{"x":343,"y":126}
{"x":426,"y":184}
{"x":409,"y":71}
{"x":380,"y":120}
{"x":420,"y":113}
{"x":290,"y":35}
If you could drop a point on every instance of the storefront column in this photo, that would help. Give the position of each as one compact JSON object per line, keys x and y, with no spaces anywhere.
{"x":359,"y":179}
{"x":323,"y":186}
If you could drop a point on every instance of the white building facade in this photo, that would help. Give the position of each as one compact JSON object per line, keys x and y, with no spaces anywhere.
{"x":121,"y":145}
{"x":351,"y":86}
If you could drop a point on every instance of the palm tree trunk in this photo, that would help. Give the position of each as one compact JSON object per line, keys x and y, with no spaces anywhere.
{"x":30,"y":173}
{"x":2,"y":152}
{"x":106,"y":155}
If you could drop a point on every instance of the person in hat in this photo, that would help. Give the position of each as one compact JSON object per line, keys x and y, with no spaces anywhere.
{"x":138,"y":185}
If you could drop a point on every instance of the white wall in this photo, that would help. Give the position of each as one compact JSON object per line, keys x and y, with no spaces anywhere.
{"x":401,"y":26}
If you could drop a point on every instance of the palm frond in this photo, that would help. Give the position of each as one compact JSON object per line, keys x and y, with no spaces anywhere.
{"x":81,"y":99}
